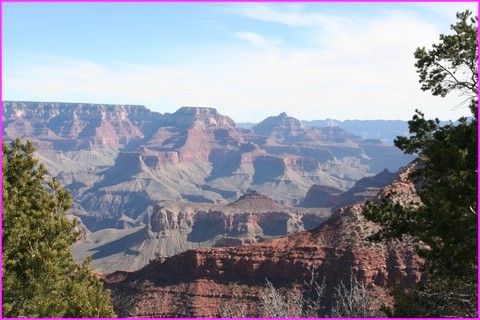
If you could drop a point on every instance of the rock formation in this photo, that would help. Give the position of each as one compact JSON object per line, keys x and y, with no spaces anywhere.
{"x":72,"y":126}
{"x":120,"y":161}
{"x":197,"y":283}
{"x":175,"y":227}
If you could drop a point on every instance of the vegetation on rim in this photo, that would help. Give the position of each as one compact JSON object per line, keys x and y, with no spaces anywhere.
{"x":40,"y":276}
{"x":351,"y":299}
{"x":445,"y":221}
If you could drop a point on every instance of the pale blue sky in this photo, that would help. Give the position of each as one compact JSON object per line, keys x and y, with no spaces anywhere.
{"x":248,"y":60}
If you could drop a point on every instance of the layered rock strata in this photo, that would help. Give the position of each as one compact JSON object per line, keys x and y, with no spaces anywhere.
{"x":122,"y":159}
{"x":177,"y":227}
{"x":197,"y":283}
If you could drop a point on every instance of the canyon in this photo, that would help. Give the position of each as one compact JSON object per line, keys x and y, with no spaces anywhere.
{"x":197,"y":283}
{"x":175,"y":227}
{"x":148,"y":185}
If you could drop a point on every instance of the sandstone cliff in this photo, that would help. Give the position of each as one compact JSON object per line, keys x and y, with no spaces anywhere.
{"x":179,"y":226}
{"x":72,"y":126}
{"x":197,"y":283}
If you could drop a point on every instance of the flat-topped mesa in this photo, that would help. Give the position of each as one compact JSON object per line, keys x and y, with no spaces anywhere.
{"x":199,"y":117}
{"x":280,"y":123}
{"x":69,"y":126}
{"x":84,"y":111}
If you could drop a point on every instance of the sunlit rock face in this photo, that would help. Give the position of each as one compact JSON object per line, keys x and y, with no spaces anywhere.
{"x":75,"y":126}
{"x":121,"y":162}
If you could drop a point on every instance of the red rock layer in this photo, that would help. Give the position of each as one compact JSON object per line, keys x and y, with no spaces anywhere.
{"x":197,"y":283}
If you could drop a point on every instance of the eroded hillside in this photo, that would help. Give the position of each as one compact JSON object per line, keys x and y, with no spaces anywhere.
{"x":128,"y":168}
{"x":175,"y":227}
{"x":121,"y":160}
{"x":197,"y":283}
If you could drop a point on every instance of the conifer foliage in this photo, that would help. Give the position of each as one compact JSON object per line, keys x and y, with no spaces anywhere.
{"x":445,"y":222}
{"x":40,"y":276}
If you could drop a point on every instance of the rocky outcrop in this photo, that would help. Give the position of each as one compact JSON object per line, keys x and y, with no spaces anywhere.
{"x":279,"y":129}
{"x":193,"y":133}
{"x":178,"y":226}
{"x":284,"y":130}
{"x":254,"y":202}
{"x":191,"y":117}
{"x":197,"y":283}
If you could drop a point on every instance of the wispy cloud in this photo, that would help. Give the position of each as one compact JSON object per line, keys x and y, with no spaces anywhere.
{"x":352,"y":67}
{"x":257,"y":40}
{"x":293,"y":15}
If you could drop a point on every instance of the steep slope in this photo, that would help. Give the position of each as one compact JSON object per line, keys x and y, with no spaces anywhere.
{"x":77,"y":142}
{"x":197,"y":283}
{"x":178,"y":226}
{"x":196,"y":154}
{"x":319,"y":196}
{"x":171,"y":163}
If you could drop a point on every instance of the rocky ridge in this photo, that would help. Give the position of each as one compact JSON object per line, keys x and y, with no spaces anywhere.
{"x":121,"y":161}
{"x":197,"y":283}
{"x":175,"y":227}
{"x":73,"y":126}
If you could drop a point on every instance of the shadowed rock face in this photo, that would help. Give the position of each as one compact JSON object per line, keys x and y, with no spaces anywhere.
{"x":319,"y":196}
{"x":197,"y":283}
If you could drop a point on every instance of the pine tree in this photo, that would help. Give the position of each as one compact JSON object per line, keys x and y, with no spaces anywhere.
{"x":445,"y":221}
{"x":40,"y":276}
